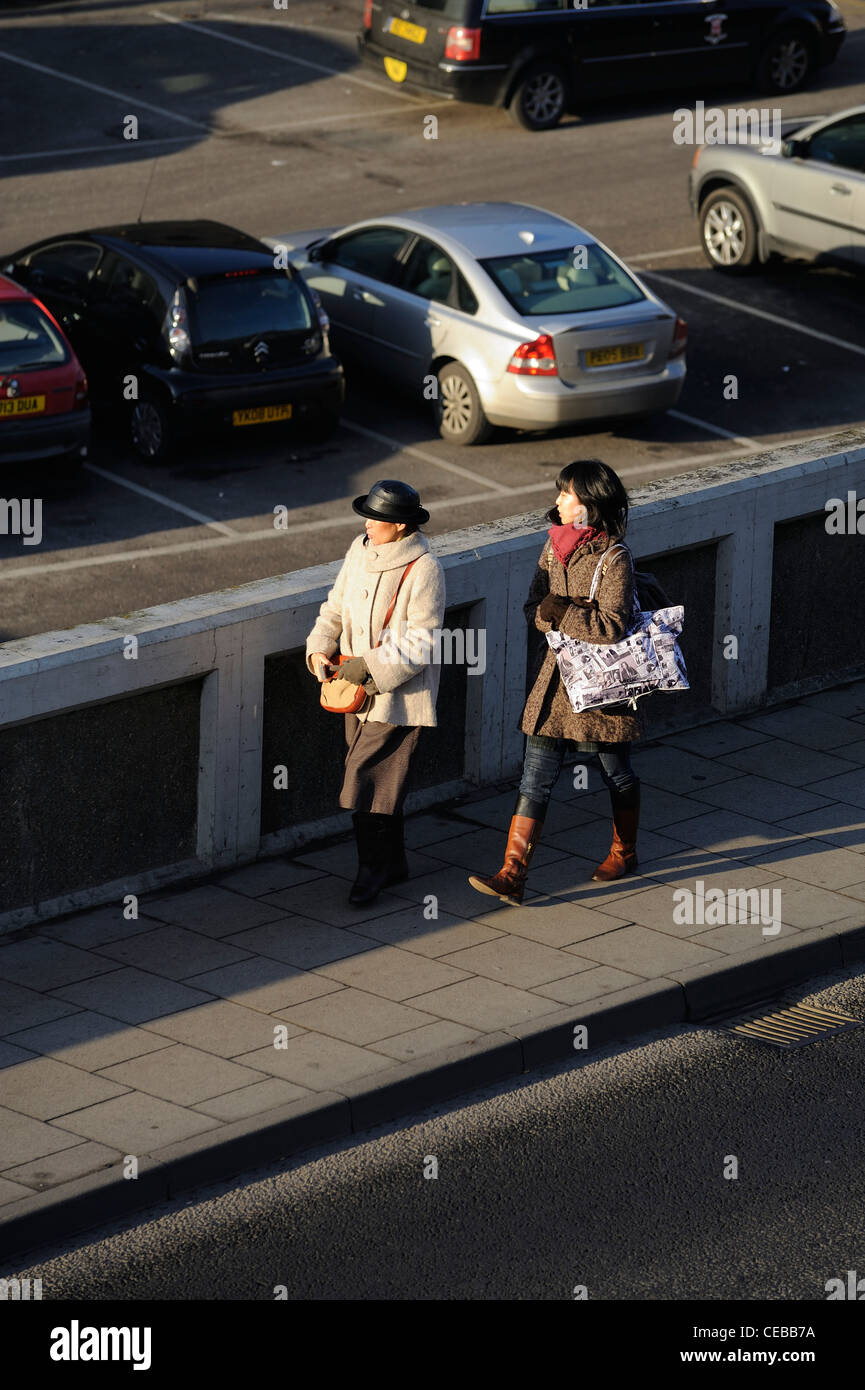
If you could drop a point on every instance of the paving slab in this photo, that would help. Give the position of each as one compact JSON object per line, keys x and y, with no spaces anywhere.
{"x":255,"y":1015}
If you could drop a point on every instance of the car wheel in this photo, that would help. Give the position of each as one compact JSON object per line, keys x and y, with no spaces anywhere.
{"x":539,"y":98}
{"x":728,"y":232}
{"x":786,"y":62}
{"x":459,"y":414}
{"x":150,"y":429}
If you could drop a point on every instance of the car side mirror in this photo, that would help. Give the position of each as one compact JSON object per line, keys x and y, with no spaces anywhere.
{"x":794,"y":149}
{"x":319,"y":251}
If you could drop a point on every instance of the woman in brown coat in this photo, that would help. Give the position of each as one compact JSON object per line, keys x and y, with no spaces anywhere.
{"x":590,"y":516}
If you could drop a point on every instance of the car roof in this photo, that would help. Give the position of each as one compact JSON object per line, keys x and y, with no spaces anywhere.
{"x":186,"y":248}
{"x":491,"y":229}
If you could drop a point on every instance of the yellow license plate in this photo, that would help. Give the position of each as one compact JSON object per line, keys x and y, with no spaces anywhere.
{"x":415,"y":33}
{"x":605,"y":357}
{"x":22,"y":405}
{"x":396,"y":69}
{"x":261,"y":415}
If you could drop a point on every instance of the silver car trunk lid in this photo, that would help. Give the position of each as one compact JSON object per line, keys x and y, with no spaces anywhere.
{"x":631,"y":339}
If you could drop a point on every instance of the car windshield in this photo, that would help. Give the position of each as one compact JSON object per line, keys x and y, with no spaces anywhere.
{"x":28,"y":338}
{"x":240,"y":306}
{"x":574,"y":280}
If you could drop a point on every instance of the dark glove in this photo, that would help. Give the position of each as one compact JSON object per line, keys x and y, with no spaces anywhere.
{"x":354,"y":670}
{"x":370,"y":687}
{"x":553,"y":608}
{"x":590,"y":603}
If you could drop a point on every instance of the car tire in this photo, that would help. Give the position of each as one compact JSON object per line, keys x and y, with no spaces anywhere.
{"x":540,"y":97}
{"x":459,"y":414}
{"x":786,"y":62}
{"x":150,"y":429}
{"x":728,"y":232}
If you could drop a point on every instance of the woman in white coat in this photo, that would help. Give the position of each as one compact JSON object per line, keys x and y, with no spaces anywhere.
{"x":395,"y":665}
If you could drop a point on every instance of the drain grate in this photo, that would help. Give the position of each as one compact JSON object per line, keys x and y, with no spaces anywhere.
{"x":793,"y":1025}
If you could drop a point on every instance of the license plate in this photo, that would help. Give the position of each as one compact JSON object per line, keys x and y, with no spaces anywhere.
{"x":22,"y":405}
{"x":605,"y":357}
{"x":415,"y":33}
{"x":396,"y":69}
{"x":261,"y":415}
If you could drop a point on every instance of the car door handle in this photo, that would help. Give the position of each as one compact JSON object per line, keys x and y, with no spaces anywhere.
{"x":368,"y":297}
{"x":432,"y":322}
{"x":840,"y":188}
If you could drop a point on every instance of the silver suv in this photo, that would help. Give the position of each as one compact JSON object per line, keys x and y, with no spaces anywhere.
{"x":801,"y":196}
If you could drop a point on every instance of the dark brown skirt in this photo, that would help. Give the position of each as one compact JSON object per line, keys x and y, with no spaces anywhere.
{"x":377,"y":765}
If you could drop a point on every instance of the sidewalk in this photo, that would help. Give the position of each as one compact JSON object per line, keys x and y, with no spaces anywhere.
{"x":260,"y":1015}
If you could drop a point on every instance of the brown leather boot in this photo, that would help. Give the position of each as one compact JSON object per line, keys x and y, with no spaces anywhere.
{"x":622,"y":858}
{"x":510,"y":881}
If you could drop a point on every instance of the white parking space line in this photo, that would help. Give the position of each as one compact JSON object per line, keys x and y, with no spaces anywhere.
{"x":741,"y":308}
{"x":455,"y":468}
{"x":742,"y":439}
{"x":328,"y":523}
{"x":662,"y":255}
{"x":132,"y":103}
{"x":272,"y":52}
{"x":162,"y":500}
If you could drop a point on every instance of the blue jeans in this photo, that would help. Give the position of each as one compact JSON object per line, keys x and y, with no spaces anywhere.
{"x":545,"y":757}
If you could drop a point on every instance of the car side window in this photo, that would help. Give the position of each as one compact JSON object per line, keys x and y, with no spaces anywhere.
{"x":371,"y":252}
{"x":64,"y":266}
{"x":126,"y":285}
{"x":429,"y":273}
{"x":842,"y":144}
{"x":524,"y":6}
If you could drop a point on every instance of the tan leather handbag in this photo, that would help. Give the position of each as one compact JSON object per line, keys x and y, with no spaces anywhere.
{"x":340,"y":696}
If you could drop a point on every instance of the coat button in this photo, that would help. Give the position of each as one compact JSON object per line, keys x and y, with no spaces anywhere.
{"x":363,"y":593}
{"x":360,"y":629}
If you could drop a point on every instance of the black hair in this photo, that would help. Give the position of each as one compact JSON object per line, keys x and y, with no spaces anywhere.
{"x":601,"y":492}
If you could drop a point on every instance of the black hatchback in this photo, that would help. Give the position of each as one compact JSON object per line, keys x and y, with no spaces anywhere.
{"x":541,"y":58}
{"x":188,"y":327}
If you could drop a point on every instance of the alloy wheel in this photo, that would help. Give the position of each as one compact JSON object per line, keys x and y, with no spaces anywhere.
{"x":724,"y":233}
{"x":456,"y":404}
{"x":543,"y":97}
{"x":789,"y":64}
{"x":147,"y":429}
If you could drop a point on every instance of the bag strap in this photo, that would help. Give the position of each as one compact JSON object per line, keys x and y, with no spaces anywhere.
{"x":392,"y":604}
{"x":604,"y":560}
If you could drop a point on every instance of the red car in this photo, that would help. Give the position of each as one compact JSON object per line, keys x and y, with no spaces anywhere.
{"x":44,"y":408}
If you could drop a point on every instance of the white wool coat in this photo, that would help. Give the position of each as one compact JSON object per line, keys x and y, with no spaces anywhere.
{"x":351,"y":617}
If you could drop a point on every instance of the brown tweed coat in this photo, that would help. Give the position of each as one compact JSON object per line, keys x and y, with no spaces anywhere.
{"x":548,"y":710}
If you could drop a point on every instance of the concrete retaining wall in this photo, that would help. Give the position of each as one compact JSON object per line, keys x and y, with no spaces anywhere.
{"x":125,"y":771}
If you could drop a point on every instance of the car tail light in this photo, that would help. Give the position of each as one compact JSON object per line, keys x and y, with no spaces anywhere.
{"x":462,"y":44}
{"x":537,"y":358}
{"x":176,"y":327}
{"x":680,"y":339}
{"x":81,"y":396}
{"x":697,"y":152}
{"x":367,"y":14}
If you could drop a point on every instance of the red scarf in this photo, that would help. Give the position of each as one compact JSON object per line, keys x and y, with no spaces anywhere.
{"x":565,"y":539}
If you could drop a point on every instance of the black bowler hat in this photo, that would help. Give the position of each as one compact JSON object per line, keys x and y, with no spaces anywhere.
{"x":389,"y":500}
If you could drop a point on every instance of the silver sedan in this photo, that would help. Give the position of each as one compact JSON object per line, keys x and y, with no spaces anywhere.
{"x":496,"y":313}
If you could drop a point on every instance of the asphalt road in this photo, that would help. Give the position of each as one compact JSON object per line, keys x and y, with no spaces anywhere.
{"x":607,"y":1173}
{"x":263,"y":118}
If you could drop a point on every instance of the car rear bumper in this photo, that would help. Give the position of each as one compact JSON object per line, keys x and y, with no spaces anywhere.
{"x":46,"y":436}
{"x":200,"y":403}
{"x":478,"y":82}
{"x":533,"y":403}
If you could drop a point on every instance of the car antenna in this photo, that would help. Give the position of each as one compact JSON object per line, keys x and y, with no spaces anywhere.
{"x":147,"y":189}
